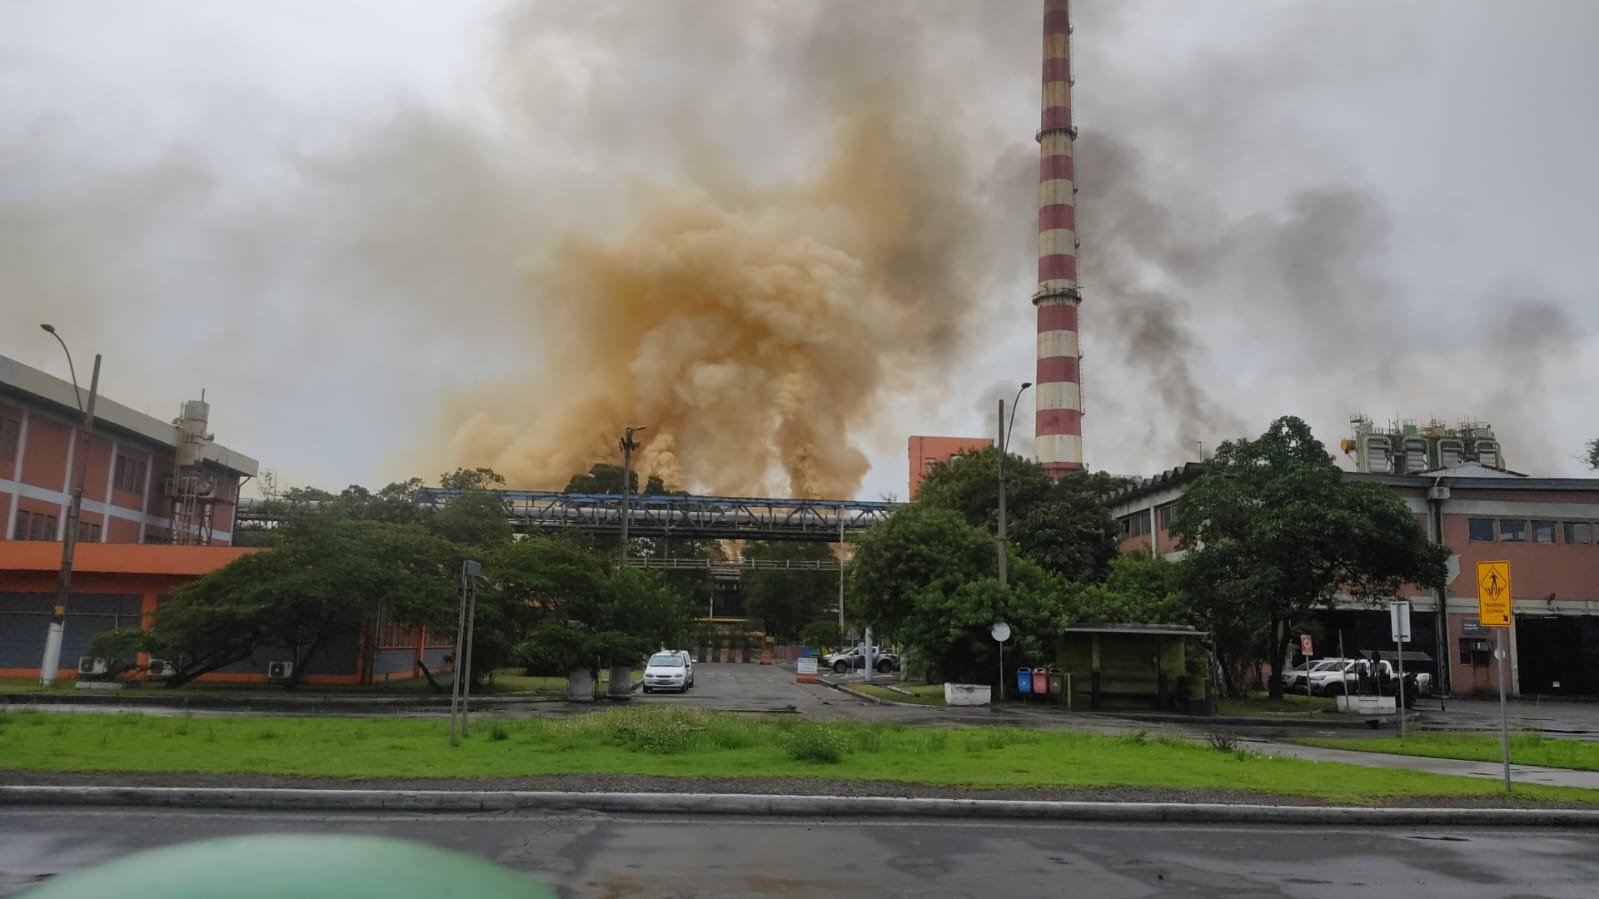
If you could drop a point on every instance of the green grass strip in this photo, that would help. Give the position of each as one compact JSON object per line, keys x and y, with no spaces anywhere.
{"x":692,"y":743}
{"x":1525,"y":748}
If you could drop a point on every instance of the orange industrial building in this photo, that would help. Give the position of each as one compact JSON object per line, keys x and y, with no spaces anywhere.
{"x":158,"y":512}
{"x":926,"y":452}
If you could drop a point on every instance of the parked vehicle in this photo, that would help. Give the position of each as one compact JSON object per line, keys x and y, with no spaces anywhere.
{"x":1294,"y":678}
{"x":854,"y":659}
{"x":1348,"y":677}
{"x":668,"y":671}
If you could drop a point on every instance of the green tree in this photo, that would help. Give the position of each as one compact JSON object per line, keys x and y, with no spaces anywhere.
{"x":900,"y":556}
{"x":781,"y":601}
{"x":949,"y":626}
{"x":1593,"y":454}
{"x":324,"y":583}
{"x":1139,"y":589}
{"x":968,"y":484}
{"x":1275,"y":531}
{"x":1060,"y":524}
{"x":580,"y":611}
{"x":474,"y":518}
{"x":606,"y":478}
{"x":472,"y":479}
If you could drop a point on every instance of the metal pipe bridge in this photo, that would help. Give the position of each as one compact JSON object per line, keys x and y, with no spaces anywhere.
{"x":689,"y":517}
{"x":710,"y":517}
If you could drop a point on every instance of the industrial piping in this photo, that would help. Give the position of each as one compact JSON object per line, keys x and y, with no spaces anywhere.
{"x":1058,"y":427}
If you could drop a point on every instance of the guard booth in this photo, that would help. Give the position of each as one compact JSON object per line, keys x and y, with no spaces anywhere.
{"x":1138,"y":667}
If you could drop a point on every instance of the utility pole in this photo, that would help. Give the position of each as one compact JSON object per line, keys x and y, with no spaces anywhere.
{"x":69,"y":538}
{"x":1003,"y":446}
{"x":628,"y":446}
{"x":461,"y":684}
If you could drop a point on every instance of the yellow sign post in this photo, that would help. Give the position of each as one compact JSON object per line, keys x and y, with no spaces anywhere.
{"x":1493,"y":610}
{"x":1493,"y":594}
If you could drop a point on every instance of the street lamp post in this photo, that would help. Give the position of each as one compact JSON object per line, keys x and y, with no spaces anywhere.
{"x":69,"y":542}
{"x":1004,"y":447}
{"x":628,"y":446}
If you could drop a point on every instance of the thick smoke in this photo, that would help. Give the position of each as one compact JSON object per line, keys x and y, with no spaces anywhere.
{"x":780,"y":234}
{"x":1206,"y":300}
{"x":752,"y":326}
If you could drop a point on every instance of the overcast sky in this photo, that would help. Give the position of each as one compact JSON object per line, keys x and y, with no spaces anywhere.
{"x":337,"y":218}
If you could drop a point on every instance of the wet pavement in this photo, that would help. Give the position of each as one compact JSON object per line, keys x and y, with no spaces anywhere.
{"x":619,"y":856}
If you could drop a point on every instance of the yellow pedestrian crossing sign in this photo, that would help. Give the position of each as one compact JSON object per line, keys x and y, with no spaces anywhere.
{"x":1493,"y":594}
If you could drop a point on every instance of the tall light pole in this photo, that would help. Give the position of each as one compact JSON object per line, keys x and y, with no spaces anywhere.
{"x":69,"y":542}
{"x":1004,"y":447}
{"x":628,"y":446}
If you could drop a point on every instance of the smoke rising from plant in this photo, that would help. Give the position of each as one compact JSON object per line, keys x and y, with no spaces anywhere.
{"x":753,"y":326}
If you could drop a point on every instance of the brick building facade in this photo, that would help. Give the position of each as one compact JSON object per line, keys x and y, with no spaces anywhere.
{"x":1547,"y":528}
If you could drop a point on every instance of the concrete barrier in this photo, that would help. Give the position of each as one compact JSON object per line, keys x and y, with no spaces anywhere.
{"x":784,"y":805}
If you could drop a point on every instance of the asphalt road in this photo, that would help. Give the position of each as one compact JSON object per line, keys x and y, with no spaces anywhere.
{"x":594,"y":855}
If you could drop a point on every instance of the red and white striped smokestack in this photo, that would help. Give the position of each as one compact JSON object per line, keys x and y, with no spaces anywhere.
{"x":1058,"y":429}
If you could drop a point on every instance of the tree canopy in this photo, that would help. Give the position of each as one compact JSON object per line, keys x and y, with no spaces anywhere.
{"x":1140,"y":589}
{"x":1275,"y":531}
{"x":926,"y":577}
{"x":782,"y":601}
{"x":326,"y":580}
{"x":1593,"y":454}
{"x":606,"y":478}
{"x":1062,"y":524}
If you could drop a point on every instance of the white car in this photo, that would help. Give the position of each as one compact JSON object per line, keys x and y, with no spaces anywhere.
{"x":669,"y":670}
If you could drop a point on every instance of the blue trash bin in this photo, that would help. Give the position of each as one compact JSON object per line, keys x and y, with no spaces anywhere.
{"x":1024,"y":680}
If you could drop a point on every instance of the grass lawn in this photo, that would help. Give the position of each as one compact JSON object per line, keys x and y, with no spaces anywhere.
{"x":1525,"y":748}
{"x":506,"y":681}
{"x":1262,"y":704}
{"x":692,"y":742}
{"x":920,"y":694}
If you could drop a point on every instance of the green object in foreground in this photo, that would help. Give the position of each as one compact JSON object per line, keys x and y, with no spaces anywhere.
{"x":281,"y":866}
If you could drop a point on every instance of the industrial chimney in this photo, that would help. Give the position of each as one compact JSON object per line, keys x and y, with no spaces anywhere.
{"x":1058,"y":429}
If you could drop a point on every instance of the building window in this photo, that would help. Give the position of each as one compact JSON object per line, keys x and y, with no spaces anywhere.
{"x":1579,"y":533}
{"x":129,"y":474}
{"x":1135,"y":525}
{"x":1480,"y":529}
{"x":88,"y":532}
{"x":1543,"y":531}
{"x":10,"y":439}
{"x":1512,"y":530}
{"x":1166,"y":514}
{"x":34,"y":526}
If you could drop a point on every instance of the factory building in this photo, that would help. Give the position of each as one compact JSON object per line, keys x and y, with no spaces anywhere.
{"x":1547,"y":528}
{"x":927,"y":453}
{"x":157,"y":512}
{"x":145,"y":480}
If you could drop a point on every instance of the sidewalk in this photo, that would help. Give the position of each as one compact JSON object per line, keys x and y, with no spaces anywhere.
{"x":1524,"y":774}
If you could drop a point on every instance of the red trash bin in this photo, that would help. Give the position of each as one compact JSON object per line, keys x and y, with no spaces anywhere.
{"x":1041,"y":681}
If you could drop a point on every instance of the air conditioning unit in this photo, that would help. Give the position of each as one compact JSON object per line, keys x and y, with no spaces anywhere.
{"x":160,"y":668}
{"x":1481,"y":646}
{"x":1438,"y":492}
{"x":279,"y":671}
{"x":89,"y":665}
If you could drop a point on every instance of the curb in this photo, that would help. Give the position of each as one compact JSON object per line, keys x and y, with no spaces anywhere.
{"x":845,"y":688}
{"x":781,"y":805}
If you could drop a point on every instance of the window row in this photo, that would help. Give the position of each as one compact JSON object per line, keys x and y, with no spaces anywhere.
{"x":129,"y":474}
{"x":10,"y":439}
{"x":34,"y":526}
{"x":1137,"y":524}
{"x":1521,"y":530}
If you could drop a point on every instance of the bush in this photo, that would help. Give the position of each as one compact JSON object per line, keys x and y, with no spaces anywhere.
{"x":498,"y":732}
{"x":815,"y":743}
{"x":1222,"y":742}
